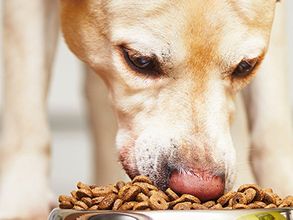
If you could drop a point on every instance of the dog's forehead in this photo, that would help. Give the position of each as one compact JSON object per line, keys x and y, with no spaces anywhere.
{"x":194,"y":28}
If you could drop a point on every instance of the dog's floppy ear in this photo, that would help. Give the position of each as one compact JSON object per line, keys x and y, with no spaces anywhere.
{"x":85,"y":29}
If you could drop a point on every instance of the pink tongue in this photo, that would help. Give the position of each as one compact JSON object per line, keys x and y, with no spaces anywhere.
{"x":204,"y":187}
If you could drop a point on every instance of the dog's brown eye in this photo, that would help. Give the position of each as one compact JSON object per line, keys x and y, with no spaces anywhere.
{"x":147,"y":65}
{"x":244,"y":68}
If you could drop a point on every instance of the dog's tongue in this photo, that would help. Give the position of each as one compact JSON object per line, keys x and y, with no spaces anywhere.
{"x":205,"y":187}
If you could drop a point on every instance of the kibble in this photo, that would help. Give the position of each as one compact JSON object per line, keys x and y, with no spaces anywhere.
{"x":140,"y":194}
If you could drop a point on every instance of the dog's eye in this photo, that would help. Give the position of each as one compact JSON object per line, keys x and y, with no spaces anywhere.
{"x":244,"y":68}
{"x":147,"y":65}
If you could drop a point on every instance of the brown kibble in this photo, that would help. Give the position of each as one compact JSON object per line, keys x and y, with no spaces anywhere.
{"x":259,"y":193}
{"x":160,"y":194}
{"x":209,"y":204}
{"x":171,"y":194}
{"x":158,"y":203}
{"x":141,"y":206}
{"x":120,"y":184}
{"x":225,"y":198}
{"x":127,"y":206}
{"x":141,"y":194}
{"x":107,"y":202}
{"x":268,"y":190}
{"x":185,"y":198}
{"x":81,"y":185}
{"x":240,"y":206}
{"x":128,"y":193}
{"x":117,"y":204}
{"x":65,"y":205}
{"x":289,"y":200}
{"x":141,"y":197}
{"x":239,"y":198}
{"x":78,"y":208}
{"x":83,"y":193}
{"x":197,"y":206}
{"x":87,"y":201}
{"x":142,"y":179}
{"x":271,"y":206}
{"x":145,"y":187}
{"x":183,"y":206}
{"x":250,"y":194}
{"x":81,"y":204}
{"x":73,"y":194}
{"x":217,"y":206}
{"x":93,"y":208}
{"x":102,"y":191}
{"x":97,"y":200}
{"x":269,"y":198}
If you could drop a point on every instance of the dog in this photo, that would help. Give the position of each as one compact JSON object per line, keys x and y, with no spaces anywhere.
{"x":175,"y":71}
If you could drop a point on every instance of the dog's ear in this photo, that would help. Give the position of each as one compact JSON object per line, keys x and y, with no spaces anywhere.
{"x":85,"y":29}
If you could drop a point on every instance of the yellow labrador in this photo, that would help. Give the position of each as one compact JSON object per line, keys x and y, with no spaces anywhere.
{"x":173,"y":69}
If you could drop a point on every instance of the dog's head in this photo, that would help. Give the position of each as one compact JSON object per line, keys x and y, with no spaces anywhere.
{"x":173,"y":68}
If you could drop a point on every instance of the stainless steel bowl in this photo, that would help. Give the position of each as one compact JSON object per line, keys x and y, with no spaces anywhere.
{"x":251,"y":214}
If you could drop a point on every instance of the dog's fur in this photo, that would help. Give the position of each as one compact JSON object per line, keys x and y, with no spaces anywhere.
{"x":180,"y":119}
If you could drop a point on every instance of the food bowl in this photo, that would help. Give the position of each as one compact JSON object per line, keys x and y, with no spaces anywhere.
{"x":243,"y":214}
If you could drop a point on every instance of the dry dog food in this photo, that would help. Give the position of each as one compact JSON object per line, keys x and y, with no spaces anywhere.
{"x":141,"y":194}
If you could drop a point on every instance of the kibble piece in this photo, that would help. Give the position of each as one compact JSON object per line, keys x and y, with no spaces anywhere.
{"x":78,"y":208}
{"x":185,"y":198}
{"x":183,"y":206}
{"x":260,"y":204}
{"x":127,"y":206}
{"x":289,"y":200}
{"x":141,"y":206}
{"x":197,"y":206}
{"x":97,"y":200}
{"x":120,"y":184}
{"x":217,"y":207}
{"x":128,"y":193}
{"x":142,"y":179}
{"x":63,"y":198}
{"x":81,"y":185}
{"x":209,"y":204}
{"x":158,"y":203}
{"x":117,"y":204}
{"x":102,"y":191}
{"x":141,"y":197}
{"x":145,"y":187}
{"x":81,"y":204}
{"x":269,"y":190}
{"x":259,"y":193}
{"x":171,"y":194}
{"x":223,"y":200}
{"x":107,"y":202}
{"x":271,"y":206}
{"x":240,"y":206}
{"x":65,"y":205}
{"x":159,"y":193}
{"x":94,"y":208}
{"x":239,"y":198}
{"x":83,"y":193}
{"x":250,"y":194}
{"x":73,"y":194}
{"x":269,"y":198}
{"x":87,"y":201}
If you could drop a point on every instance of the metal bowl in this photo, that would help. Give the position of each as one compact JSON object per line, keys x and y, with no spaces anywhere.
{"x":244,"y":214}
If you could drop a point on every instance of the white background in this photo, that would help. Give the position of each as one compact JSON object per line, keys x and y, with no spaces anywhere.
{"x":71,"y":143}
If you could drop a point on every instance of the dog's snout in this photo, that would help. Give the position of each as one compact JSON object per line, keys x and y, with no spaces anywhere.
{"x":203,"y":185}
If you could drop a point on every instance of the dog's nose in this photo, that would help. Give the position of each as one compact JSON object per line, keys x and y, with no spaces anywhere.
{"x":204,"y":186}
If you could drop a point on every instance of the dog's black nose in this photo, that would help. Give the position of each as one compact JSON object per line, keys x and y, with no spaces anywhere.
{"x":204,"y":186}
